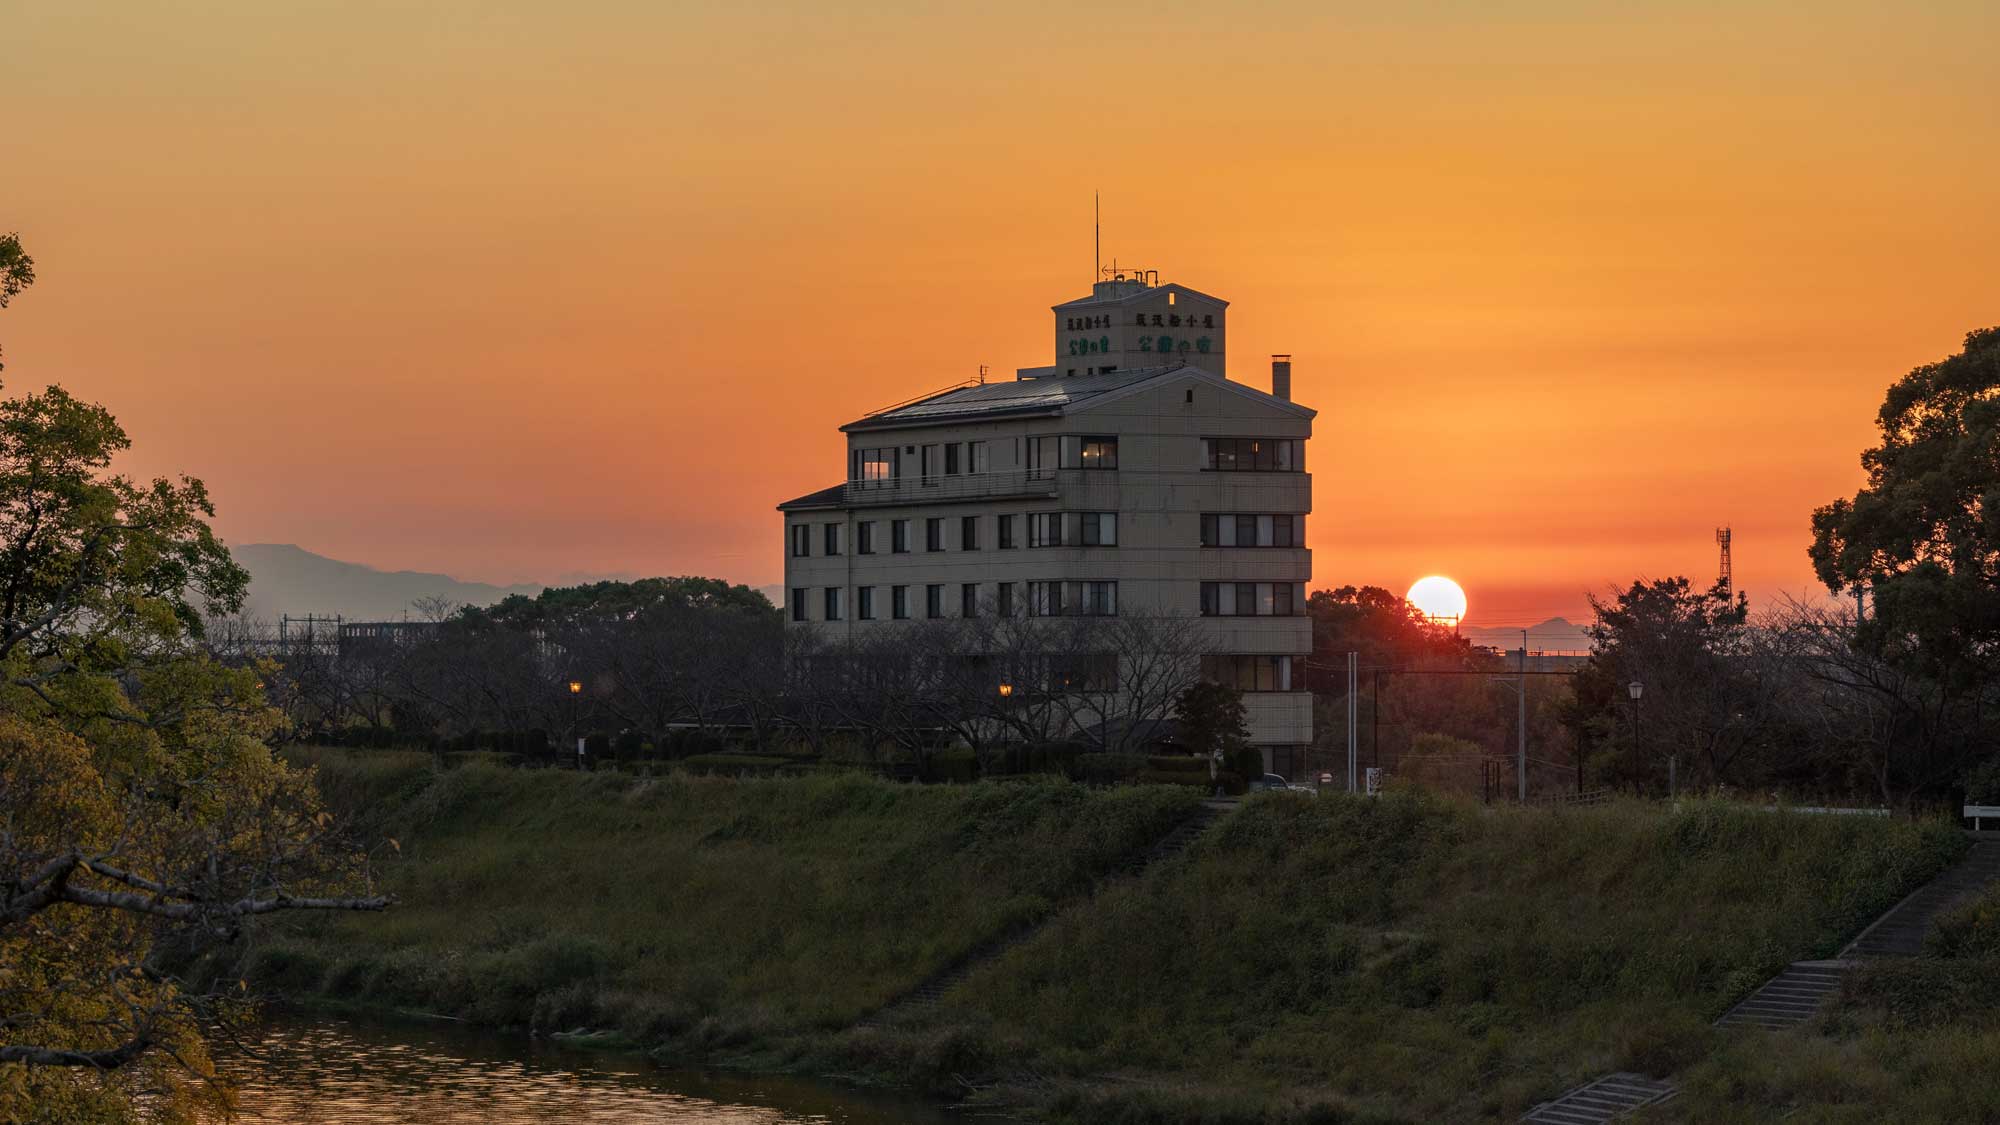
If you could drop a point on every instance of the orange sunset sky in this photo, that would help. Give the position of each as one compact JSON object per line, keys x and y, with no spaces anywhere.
{"x":516,"y":291}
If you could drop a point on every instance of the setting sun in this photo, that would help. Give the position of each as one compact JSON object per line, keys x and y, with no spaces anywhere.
{"x":1438,"y":598}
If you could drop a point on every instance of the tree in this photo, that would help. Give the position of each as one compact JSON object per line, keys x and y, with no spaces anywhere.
{"x":17,"y":271}
{"x":1921,"y":540}
{"x":1210,"y":717}
{"x":144,"y":822}
{"x":1706,"y":702}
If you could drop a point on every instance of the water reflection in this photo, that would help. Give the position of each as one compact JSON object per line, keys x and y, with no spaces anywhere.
{"x":322,"y":1071}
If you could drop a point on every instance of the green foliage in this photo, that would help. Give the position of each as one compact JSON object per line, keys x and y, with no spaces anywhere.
{"x":697,"y":910}
{"x":17,"y":270}
{"x":1468,"y":962}
{"x":1109,"y":769}
{"x":1982,"y":783}
{"x":1385,"y":629}
{"x":1210,"y":718}
{"x":1921,"y":535}
{"x":1969,"y":931}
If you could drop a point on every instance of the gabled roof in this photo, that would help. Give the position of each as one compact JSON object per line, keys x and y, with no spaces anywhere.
{"x":824,"y":498}
{"x":1140,"y":295}
{"x":1026,"y":398}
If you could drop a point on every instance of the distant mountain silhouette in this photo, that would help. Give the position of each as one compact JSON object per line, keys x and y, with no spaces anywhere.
{"x":289,"y":579}
{"x":1557,"y":634}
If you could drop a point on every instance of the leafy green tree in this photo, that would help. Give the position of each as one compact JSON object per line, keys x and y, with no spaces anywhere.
{"x":1707,"y":705}
{"x":17,"y":271}
{"x":1919,"y":545}
{"x":144,"y":822}
{"x":1922,"y":537}
{"x":1211,"y":721}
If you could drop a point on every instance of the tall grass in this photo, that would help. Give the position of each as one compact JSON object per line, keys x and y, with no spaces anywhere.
{"x":706,"y":909}
{"x":1427,"y":958}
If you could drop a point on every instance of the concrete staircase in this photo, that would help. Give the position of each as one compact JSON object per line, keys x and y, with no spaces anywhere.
{"x":1900,"y":932}
{"x":1801,"y":990}
{"x":1788,"y":999}
{"x":1607,"y":1099}
{"x":928,"y":992}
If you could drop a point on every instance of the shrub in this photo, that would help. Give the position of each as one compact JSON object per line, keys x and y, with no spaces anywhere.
{"x":1982,"y":785}
{"x":1971,"y":930}
{"x":956,"y":764}
{"x":1108,"y":769}
{"x":732,"y":765}
{"x":628,"y":745}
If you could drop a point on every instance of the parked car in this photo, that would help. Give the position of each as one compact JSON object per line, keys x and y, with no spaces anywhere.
{"x":1277,"y":783}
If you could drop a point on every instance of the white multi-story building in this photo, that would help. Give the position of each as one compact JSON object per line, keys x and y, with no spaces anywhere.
{"x":1132,"y":476}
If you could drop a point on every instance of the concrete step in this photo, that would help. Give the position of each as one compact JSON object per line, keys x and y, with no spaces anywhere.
{"x":1786,"y":1000}
{"x":1606,"y":1099}
{"x":1901,"y":931}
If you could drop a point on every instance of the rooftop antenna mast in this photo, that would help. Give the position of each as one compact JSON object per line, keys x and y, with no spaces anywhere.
{"x":1096,"y":236}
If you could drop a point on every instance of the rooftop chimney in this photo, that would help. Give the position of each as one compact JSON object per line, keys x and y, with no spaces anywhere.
{"x":1281,"y":376}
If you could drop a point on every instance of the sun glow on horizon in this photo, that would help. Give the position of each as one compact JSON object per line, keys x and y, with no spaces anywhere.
{"x":1438,"y":598}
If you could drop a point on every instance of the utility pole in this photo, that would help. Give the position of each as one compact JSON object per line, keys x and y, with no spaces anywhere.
{"x":1353,"y":689}
{"x":1521,"y":754}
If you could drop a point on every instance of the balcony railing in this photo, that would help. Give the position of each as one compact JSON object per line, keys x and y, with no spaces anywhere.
{"x":956,"y":486}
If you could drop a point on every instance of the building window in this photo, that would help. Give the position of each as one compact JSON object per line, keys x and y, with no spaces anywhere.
{"x":899,"y":537}
{"x":1251,"y":673}
{"x":1061,"y":599}
{"x":802,"y":538}
{"x":1044,"y":456}
{"x":934,"y":534}
{"x":1045,"y":529}
{"x":1239,"y":530}
{"x":1260,"y":455}
{"x":832,"y":603}
{"x":875,"y":466}
{"x":1099,"y":453}
{"x":934,"y":600}
{"x":968,"y":599}
{"x":1100,"y":529}
{"x":833,"y":539}
{"x":899,"y":602}
{"x":1252,"y":599}
{"x":975,"y":457}
{"x":931,"y":462}
{"x":952,"y":465}
{"x":864,"y":537}
{"x":798,"y":603}
{"x":864,"y":603}
{"x":1005,"y":525}
{"x":1006,"y":602}
{"x":968,"y":533}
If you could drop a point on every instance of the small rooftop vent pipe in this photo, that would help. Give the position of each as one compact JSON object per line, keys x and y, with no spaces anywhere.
{"x":1281,"y":377}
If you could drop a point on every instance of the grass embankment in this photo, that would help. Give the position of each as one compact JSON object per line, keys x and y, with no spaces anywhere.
{"x":1909,"y":1041}
{"x":1407,"y":958}
{"x":699,"y":912}
{"x":1418,"y":959}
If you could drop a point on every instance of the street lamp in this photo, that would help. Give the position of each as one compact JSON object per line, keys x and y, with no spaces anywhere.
{"x":1636,"y":689}
{"x":575,"y":690}
{"x":1006,"y":691}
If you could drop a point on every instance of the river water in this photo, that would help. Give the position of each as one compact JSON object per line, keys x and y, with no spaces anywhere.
{"x":318,"y":1070}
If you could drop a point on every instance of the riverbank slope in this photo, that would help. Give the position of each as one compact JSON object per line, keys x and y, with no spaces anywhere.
{"x":1408,"y":958}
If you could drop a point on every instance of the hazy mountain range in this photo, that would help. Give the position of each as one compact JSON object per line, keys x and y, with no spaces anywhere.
{"x":287,"y":579}
{"x":1557,"y":634}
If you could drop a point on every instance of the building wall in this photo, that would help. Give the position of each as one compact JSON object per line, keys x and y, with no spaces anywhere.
{"x":1159,"y":491}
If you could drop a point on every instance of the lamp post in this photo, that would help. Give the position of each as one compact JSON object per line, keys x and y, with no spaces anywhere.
{"x":575,"y":690}
{"x":1636,"y":690}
